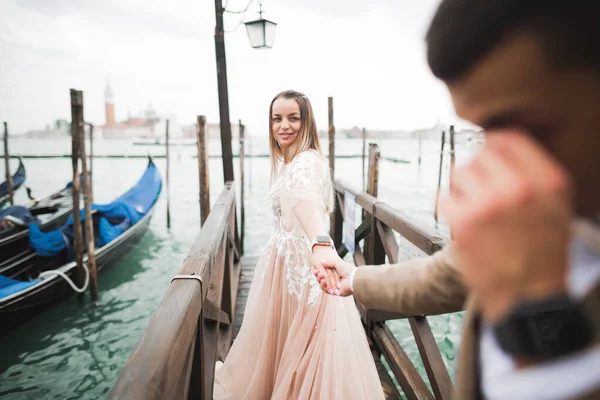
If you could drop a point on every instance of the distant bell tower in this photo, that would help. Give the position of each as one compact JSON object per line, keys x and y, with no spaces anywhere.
{"x":109,"y":106}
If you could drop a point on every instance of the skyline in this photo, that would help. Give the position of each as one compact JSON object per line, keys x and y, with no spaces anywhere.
{"x":370,"y":58}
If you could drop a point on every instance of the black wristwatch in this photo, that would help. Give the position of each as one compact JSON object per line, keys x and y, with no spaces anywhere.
{"x":544,"y":329}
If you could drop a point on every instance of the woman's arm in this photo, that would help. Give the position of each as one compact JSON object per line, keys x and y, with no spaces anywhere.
{"x":305,"y":200}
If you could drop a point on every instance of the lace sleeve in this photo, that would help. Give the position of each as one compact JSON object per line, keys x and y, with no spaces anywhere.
{"x":306,"y":180}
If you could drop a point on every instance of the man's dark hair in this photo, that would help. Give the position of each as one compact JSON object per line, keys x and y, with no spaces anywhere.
{"x":463,"y":32}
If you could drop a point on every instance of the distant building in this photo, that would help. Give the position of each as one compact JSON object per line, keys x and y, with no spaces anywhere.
{"x":133,"y":127}
{"x":60,"y":129}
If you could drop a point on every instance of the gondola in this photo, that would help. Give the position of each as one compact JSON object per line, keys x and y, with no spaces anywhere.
{"x":49,"y":213}
{"x":117,"y":227}
{"x":18,"y":179}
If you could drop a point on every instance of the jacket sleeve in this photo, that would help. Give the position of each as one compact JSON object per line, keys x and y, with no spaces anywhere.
{"x":422,"y":286}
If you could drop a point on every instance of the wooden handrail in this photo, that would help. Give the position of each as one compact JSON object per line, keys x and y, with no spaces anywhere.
{"x":171,"y":360}
{"x":381,"y":220}
{"x":424,"y":238}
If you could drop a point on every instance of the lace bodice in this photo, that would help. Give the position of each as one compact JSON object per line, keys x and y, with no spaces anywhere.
{"x":306,"y":178}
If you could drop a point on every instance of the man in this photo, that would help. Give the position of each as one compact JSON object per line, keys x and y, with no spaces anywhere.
{"x":524,"y":212}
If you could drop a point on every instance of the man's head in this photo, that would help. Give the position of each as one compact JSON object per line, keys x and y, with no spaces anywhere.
{"x":531,"y":65}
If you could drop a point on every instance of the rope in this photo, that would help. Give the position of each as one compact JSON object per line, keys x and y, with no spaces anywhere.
{"x":69,"y":281}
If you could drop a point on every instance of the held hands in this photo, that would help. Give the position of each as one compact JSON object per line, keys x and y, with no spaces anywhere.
{"x":343,"y":269}
{"x":510,"y":211}
{"x":322,"y":254}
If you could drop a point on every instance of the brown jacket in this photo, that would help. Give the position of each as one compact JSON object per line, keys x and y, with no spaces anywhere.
{"x":432,"y":285}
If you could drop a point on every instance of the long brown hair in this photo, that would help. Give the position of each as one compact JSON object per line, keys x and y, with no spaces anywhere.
{"x":308,"y":137}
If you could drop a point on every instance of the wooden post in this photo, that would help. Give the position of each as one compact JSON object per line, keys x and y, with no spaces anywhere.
{"x":168,"y":181}
{"x":331,"y":159}
{"x":242,"y":209}
{"x":373,"y":184}
{"x":372,"y":189}
{"x":364,"y":156}
{"x":89,"y":226}
{"x":203,"y":170}
{"x":9,"y":180}
{"x":437,"y":194}
{"x":226,"y":152}
{"x":91,"y":168}
{"x":76,"y":122}
{"x":452,"y":155}
{"x":374,"y":250}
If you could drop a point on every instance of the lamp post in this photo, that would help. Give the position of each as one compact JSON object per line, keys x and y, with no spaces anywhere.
{"x":261,"y":33}
{"x":223,"y":96}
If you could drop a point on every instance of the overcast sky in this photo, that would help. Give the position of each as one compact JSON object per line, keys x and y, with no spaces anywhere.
{"x":368,"y":55}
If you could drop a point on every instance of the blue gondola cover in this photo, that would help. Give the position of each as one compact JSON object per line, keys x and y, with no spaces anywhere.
{"x":110,"y":220}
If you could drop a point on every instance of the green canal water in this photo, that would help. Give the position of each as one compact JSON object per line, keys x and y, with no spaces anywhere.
{"x":77,"y":349}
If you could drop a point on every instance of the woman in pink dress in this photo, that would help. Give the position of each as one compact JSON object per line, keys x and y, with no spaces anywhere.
{"x":296,"y":342}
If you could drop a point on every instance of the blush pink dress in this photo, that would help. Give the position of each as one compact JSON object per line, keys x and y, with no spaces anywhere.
{"x":296,"y":342}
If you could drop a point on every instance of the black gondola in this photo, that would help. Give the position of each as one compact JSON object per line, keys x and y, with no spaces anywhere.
{"x":21,"y":299}
{"x":18,"y":179}
{"x":49,"y":213}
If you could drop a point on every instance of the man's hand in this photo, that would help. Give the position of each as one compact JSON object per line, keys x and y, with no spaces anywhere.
{"x":343,"y":270}
{"x":510,"y":211}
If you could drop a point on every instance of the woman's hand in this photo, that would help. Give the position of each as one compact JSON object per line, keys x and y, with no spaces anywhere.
{"x":327,"y":254}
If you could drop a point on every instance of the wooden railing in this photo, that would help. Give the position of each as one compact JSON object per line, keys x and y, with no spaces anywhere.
{"x":192,"y":327}
{"x":376,"y":231}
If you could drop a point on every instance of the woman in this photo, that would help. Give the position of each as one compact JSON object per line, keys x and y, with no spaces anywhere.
{"x":295,"y":342}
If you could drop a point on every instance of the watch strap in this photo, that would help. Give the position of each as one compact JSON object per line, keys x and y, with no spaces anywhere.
{"x":541,"y":330}
{"x":321,"y":240}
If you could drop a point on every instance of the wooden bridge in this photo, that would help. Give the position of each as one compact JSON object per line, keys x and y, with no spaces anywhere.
{"x":203,"y":308}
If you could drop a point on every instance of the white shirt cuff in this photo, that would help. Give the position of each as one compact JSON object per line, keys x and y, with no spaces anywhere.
{"x":351,"y":280}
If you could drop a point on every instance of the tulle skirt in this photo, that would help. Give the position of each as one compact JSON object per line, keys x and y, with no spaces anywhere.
{"x":296,"y":344}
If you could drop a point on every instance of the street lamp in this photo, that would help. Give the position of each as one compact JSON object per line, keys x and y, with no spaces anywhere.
{"x":261,"y":32}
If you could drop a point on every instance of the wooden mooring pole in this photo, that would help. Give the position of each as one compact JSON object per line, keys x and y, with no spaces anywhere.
{"x":331,"y":158}
{"x":168,"y":181}
{"x":9,"y":180}
{"x":242,"y":208}
{"x":373,"y":183}
{"x":203,"y":170}
{"x":91,"y":168}
{"x":76,"y":122}
{"x":374,"y":253}
{"x":364,"y":156}
{"x":88,"y":224}
{"x":437,"y":194}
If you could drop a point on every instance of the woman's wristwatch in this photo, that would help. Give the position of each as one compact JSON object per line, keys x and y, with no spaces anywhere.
{"x":321,"y":240}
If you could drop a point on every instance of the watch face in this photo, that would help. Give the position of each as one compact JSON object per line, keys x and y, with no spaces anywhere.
{"x":544,"y":330}
{"x":323,"y":239}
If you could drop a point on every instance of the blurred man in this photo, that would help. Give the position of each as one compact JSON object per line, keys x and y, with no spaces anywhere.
{"x":525,"y":211}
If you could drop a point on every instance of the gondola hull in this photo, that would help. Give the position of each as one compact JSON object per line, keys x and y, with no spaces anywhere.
{"x":18,"y":179}
{"x":26,"y":305}
{"x":14,"y":242}
{"x":25,"y":294}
